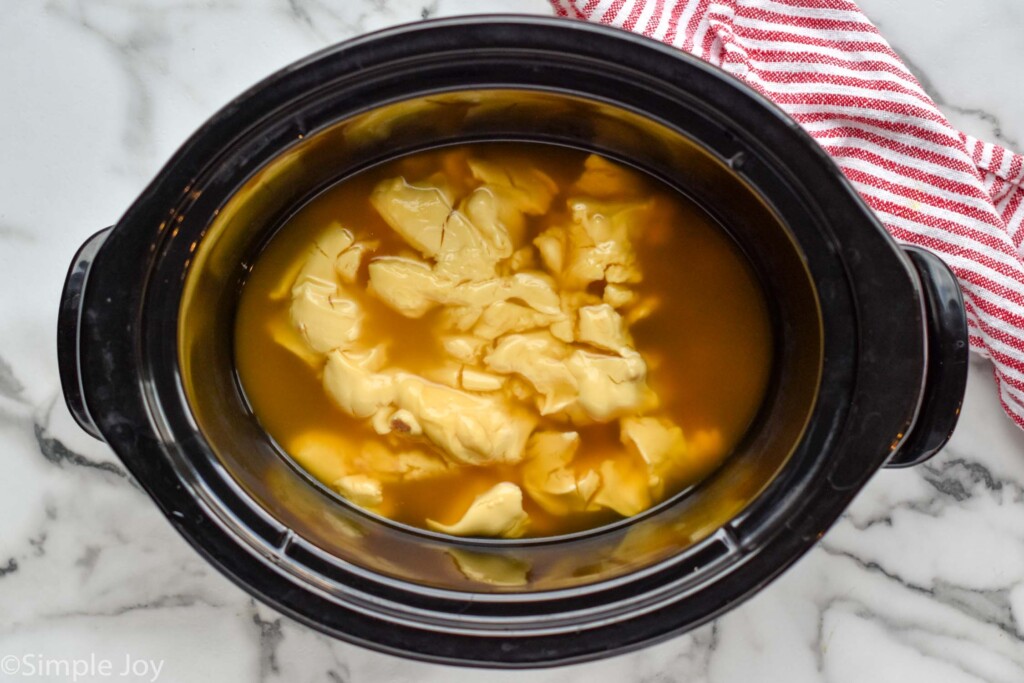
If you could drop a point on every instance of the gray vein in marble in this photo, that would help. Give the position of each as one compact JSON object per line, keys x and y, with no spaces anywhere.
{"x":38,"y":543}
{"x":307,"y":13}
{"x":707,"y":646}
{"x":56,"y":452}
{"x":929,"y":508}
{"x":960,"y":478}
{"x":956,"y":479}
{"x":340,"y":672}
{"x":998,"y":131}
{"x":270,"y":638}
{"x":90,"y":556}
{"x":820,"y":643}
{"x":300,"y":13}
{"x":129,"y":54}
{"x":900,"y":633}
{"x":9,"y":384}
{"x":168,"y":601}
{"x":9,"y":568}
{"x":996,"y":612}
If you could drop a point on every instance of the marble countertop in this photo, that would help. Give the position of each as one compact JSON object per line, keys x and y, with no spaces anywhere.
{"x":921,"y":580}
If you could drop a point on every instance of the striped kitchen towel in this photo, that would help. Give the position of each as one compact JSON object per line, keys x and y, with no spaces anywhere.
{"x":826,"y":65}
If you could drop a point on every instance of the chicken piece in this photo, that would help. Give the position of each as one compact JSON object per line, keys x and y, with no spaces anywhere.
{"x":490,"y":567}
{"x":318,"y":268}
{"x":524,"y":258}
{"x":494,"y":221}
{"x":573,"y":299}
{"x":389,"y":421}
{"x":464,"y":347}
{"x":325,"y":318}
{"x":349,"y":261}
{"x":603,"y":327}
{"x":552,"y":245}
{"x":643,"y":309}
{"x":491,"y":207}
{"x":610,"y":386}
{"x":623,"y":488}
{"x":404,"y":422}
{"x":412,"y":288}
{"x":519,"y":389}
{"x":602,"y":261}
{"x":523,"y":186}
{"x":541,"y":360}
{"x":618,"y":296}
{"x":461,"y":318}
{"x":363,"y":490}
{"x":323,"y":454}
{"x":504,"y":317}
{"x":497,"y":512}
{"x":478,"y":380}
{"x":592,"y":248}
{"x":471,"y":429}
{"x":449,"y":374}
{"x":358,"y":473}
{"x":529,"y":189}
{"x":562,"y":330}
{"x":418,"y":213}
{"x":416,"y":465}
{"x":705,"y":450}
{"x":531,"y":288}
{"x":548,"y":477}
{"x":603,"y":179}
{"x":392,"y":464}
{"x":466,"y":242}
{"x":353,"y":383}
{"x":660,"y":444}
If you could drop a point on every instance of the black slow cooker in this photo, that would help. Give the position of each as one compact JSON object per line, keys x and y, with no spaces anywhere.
{"x":870,"y":366}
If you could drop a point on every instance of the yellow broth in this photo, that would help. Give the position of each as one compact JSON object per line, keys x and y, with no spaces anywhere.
{"x":708,"y":345}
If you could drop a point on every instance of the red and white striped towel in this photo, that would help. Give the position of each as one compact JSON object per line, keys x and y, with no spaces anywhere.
{"x":826,"y":65}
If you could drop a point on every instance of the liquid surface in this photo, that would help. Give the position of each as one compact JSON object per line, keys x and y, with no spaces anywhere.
{"x":689,"y":311}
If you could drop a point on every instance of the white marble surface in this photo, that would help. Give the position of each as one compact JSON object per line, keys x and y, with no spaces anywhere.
{"x":922,"y":580}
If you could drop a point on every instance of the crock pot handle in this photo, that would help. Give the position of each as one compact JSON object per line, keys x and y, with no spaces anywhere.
{"x":946,"y":372}
{"x":69,"y":327}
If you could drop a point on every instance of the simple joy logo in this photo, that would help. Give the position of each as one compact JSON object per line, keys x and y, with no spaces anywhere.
{"x":34,"y":665}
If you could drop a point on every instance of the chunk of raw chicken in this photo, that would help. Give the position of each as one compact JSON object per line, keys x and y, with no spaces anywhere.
{"x":498,"y":512}
{"x":541,"y":360}
{"x":426,"y":217}
{"x":549,"y":478}
{"x":325,"y":315}
{"x":471,"y":429}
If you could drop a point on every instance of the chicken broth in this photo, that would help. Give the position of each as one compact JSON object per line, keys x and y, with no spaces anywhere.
{"x":503,"y":340}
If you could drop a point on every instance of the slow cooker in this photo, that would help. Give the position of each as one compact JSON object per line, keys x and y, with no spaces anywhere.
{"x":869,"y":369}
